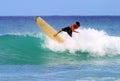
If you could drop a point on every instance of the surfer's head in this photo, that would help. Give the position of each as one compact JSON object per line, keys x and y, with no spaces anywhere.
{"x":78,"y":24}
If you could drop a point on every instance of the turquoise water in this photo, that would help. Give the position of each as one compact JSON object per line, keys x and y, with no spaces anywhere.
{"x":27,"y":54}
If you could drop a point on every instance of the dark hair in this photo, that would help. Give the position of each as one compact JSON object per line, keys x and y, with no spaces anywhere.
{"x":77,"y":23}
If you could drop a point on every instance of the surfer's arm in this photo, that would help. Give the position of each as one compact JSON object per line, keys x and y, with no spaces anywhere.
{"x":75,"y":31}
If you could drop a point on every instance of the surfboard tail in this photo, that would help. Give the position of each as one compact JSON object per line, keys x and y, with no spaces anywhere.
{"x":35,"y":18}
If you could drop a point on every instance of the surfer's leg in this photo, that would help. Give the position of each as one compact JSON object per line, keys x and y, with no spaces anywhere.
{"x":70,"y":33}
{"x":68,"y":30}
{"x":57,"y":33}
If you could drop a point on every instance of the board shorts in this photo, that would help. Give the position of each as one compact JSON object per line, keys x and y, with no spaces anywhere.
{"x":68,"y":30}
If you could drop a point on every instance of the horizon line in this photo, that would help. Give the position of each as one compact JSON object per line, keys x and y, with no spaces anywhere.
{"x":59,"y":15}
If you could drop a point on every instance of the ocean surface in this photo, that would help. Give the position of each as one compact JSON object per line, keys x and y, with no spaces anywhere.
{"x":27,"y":54}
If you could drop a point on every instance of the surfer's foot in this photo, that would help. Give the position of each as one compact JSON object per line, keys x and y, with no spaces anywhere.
{"x":55,"y":35}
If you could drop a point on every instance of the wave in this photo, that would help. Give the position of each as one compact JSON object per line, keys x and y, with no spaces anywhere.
{"x":37,"y":48}
{"x":96,"y":42}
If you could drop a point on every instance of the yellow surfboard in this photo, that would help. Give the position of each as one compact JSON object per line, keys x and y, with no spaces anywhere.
{"x":48,"y":30}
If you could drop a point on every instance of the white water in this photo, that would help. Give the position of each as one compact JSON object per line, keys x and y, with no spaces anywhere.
{"x":96,"y":42}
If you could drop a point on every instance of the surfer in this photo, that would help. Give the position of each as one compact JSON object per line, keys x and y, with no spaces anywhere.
{"x":69,"y":29}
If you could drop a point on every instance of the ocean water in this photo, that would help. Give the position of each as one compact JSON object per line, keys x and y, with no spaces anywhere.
{"x":27,"y":54}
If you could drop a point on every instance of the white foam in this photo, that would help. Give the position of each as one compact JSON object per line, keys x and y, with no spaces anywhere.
{"x":97,"y":42}
{"x":33,"y":34}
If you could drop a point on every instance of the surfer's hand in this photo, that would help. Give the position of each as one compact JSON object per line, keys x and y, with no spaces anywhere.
{"x":76,"y":31}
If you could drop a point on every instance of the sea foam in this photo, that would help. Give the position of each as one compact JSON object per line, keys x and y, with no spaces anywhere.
{"x":96,"y":42}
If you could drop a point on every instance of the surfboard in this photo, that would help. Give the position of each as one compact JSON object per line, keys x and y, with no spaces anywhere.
{"x":48,"y":30}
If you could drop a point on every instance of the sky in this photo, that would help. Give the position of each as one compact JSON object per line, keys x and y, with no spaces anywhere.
{"x":59,"y":7}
